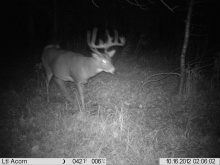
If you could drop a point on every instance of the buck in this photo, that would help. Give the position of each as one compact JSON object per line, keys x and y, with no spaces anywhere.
{"x":65,"y":65}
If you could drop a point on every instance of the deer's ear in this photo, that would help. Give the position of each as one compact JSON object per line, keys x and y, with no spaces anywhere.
{"x":111,"y":53}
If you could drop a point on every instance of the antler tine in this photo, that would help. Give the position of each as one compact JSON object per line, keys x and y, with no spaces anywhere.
{"x":122,"y":39}
{"x":94,"y":33}
{"x":116,"y":36}
{"x":91,"y":41}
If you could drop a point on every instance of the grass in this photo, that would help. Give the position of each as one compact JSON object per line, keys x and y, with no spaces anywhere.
{"x":126,"y":120}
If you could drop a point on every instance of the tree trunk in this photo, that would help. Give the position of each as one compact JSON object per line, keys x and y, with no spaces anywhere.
{"x":184,"y":49}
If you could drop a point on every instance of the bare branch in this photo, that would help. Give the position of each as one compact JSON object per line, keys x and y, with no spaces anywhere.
{"x":171,"y":9}
{"x":136,"y":3}
{"x":95,"y":4}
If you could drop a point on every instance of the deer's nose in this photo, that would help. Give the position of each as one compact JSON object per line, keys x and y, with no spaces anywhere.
{"x":112,"y":70}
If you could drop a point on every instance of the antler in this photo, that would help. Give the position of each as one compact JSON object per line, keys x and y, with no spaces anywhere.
{"x":109,"y":43}
{"x":113,"y":41}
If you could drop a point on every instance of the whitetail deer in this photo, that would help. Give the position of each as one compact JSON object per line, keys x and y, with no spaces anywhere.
{"x":69,"y":66}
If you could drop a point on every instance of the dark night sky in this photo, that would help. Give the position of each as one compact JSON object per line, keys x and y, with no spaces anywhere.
{"x":27,"y":26}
